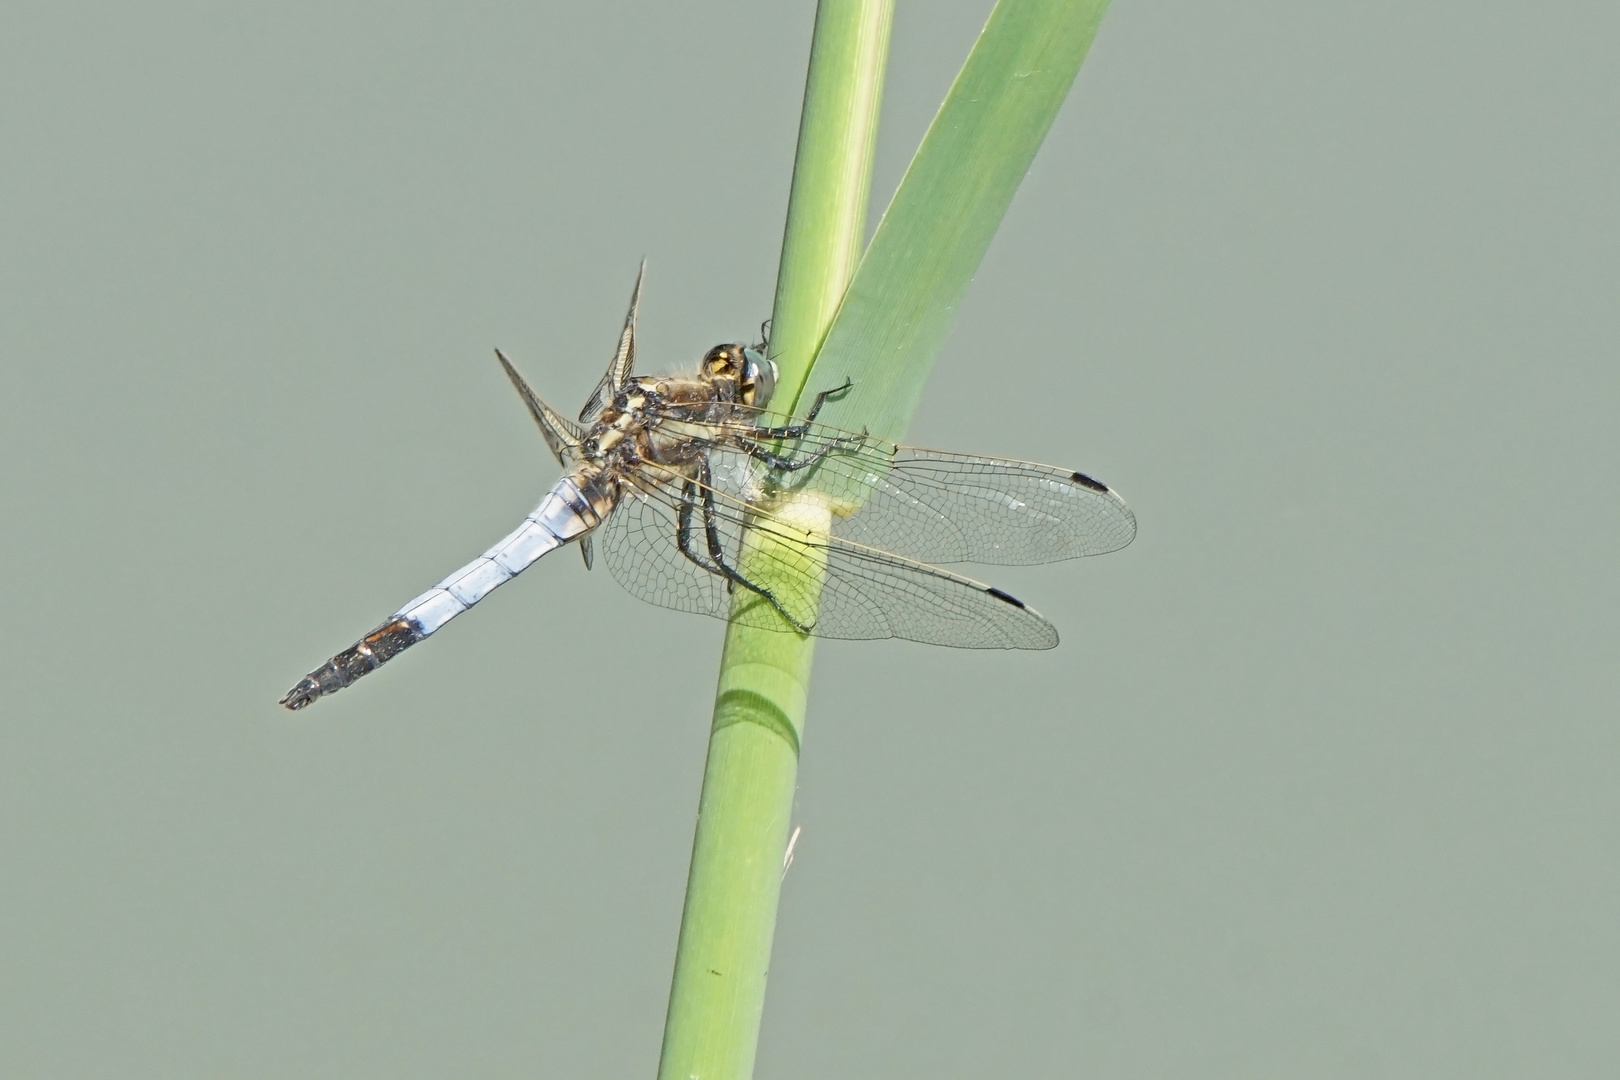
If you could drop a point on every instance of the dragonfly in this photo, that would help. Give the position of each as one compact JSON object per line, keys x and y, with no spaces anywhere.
{"x":703,"y":500}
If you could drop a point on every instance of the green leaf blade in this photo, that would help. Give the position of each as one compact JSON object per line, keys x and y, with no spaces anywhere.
{"x":899,"y":306}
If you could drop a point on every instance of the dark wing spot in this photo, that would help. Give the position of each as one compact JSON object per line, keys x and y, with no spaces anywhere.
{"x":1085,"y":481}
{"x":1005,"y":598}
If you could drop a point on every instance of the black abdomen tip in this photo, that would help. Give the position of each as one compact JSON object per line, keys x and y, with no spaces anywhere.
{"x":361,"y":658}
{"x":305,"y":692}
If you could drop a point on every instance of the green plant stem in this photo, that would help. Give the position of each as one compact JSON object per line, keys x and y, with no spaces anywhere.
{"x":718,"y":992}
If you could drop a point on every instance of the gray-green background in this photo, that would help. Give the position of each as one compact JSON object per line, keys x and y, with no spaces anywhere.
{"x":1322,"y":781}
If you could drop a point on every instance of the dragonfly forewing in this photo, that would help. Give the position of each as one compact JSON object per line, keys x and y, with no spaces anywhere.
{"x":938,"y":507}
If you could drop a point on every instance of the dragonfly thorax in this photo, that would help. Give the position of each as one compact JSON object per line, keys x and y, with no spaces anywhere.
{"x":645,"y":421}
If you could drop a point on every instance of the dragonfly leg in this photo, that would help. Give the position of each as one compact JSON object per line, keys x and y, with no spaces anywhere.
{"x":683,"y":531}
{"x":796,"y":431}
{"x":777,"y":461}
{"x":717,"y":552}
{"x":788,"y":464}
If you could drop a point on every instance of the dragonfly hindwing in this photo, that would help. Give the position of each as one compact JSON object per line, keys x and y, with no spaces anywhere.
{"x":561,"y":433}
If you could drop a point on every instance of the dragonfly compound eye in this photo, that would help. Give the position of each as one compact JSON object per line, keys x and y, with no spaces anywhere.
{"x":722,"y":362}
{"x":759,"y":378}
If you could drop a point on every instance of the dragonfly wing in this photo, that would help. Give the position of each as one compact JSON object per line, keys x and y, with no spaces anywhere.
{"x":639,"y":543}
{"x":943,"y":507}
{"x":826,"y":584}
{"x":624,"y":358}
{"x":939,"y":507}
{"x":875,"y":594}
{"x":562,"y":435}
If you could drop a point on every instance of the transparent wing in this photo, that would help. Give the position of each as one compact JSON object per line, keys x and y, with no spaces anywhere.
{"x":561,"y":434}
{"x":624,"y":359}
{"x":939,"y":507}
{"x":862,"y":592}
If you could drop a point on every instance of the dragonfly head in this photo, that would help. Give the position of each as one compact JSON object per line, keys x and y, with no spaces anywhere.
{"x":742,"y":374}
